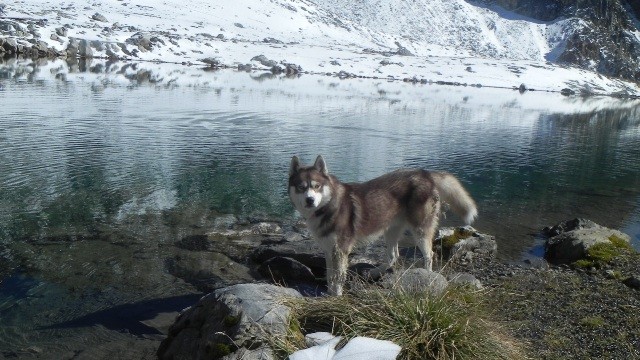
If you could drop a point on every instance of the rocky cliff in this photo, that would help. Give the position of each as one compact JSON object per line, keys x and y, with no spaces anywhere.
{"x":606,"y":37}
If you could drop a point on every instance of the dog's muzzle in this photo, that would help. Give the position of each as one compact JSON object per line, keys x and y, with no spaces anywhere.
{"x":310,"y":201}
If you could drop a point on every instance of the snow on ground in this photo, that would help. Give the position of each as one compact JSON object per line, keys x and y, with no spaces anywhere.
{"x":453,"y":41}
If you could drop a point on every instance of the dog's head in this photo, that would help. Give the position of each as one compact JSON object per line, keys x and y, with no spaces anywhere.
{"x":309,"y":187}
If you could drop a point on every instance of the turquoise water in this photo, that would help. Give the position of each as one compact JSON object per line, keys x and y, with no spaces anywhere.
{"x":101,"y":175}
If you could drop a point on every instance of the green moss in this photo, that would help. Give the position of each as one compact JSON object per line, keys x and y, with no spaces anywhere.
{"x":555,"y":340}
{"x":617,"y":275}
{"x":220,"y":350}
{"x":602,"y":253}
{"x":458,"y":234}
{"x":584,"y":264}
{"x":294,"y":326}
{"x":592,"y":322}
{"x":230,"y":321}
{"x":620,"y":242}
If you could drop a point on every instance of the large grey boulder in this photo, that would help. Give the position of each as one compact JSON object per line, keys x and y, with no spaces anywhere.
{"x":571,"y":245}
{"x":232,"y":322}
{"x":569,"y":225}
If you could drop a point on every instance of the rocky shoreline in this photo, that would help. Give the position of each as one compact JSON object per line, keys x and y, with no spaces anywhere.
{"x":558,"y":309}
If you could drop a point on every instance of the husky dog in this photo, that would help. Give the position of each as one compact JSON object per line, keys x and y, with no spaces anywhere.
{"x":341,"y":215}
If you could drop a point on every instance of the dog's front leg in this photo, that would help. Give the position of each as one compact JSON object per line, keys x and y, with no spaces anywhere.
{"x":337,"y":261}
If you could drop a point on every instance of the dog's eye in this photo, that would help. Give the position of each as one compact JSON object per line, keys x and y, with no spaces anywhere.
{"x":316,"y":186}
{"x":301,"y":187}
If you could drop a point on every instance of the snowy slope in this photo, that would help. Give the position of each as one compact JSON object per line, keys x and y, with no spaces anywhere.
{"x":455,"y":41}
{"x":454,"y":27}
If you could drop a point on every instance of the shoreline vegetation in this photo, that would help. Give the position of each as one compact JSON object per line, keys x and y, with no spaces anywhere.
{"x":536,"y":310}
{"x":585,"y":308}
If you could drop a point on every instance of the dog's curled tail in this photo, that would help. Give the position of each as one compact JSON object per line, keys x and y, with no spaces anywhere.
{"x":453,"y":193}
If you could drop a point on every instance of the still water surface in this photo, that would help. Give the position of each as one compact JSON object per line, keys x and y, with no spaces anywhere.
{"x":100,"y":176}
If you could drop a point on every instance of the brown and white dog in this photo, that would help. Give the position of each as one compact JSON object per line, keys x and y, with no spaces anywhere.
{"x":341,"y":215}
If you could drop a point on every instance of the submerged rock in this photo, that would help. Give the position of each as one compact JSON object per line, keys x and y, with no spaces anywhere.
{"x":285,"y":270}
{"x":207,"y":270}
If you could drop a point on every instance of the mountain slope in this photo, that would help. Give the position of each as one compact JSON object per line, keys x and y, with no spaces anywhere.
{"x":491,"y":42}
{"x":600,"y":35}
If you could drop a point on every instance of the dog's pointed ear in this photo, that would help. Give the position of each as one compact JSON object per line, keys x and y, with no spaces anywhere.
{"x":295,"y":165}
{"x":321,"y":166}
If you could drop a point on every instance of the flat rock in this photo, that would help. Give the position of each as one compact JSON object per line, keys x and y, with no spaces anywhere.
{"x":207,"y":270}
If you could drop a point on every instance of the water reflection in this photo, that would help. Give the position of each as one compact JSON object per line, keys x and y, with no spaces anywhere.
{"x":104,"y":166}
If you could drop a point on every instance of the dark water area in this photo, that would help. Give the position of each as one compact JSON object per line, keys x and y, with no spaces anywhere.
{"x":104,"y":168}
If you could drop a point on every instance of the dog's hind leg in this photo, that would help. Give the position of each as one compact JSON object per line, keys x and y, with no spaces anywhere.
{"x":391,"y":238}
{"x":426,"y":232}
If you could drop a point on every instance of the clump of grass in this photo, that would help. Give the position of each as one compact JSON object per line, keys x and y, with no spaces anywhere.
{"x":449,"y":326}
{"x":293,"y":339}
{"x":220,"y":350}
{"x":592,"y":322}
{"x":602,"y":253}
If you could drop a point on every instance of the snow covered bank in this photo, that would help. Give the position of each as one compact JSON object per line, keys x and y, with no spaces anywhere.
{"x":454,"y":42}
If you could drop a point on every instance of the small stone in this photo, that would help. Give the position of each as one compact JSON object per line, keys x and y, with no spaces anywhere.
{"x":212,"y":62}
{"x":99,"y":17}
{"x":61,"y":31}
{"x":632,"y":282}
{"x":264,"y":61}
{"x":465,"y":279}
{"x":418,"y":280}
{"x":266,"y":228}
